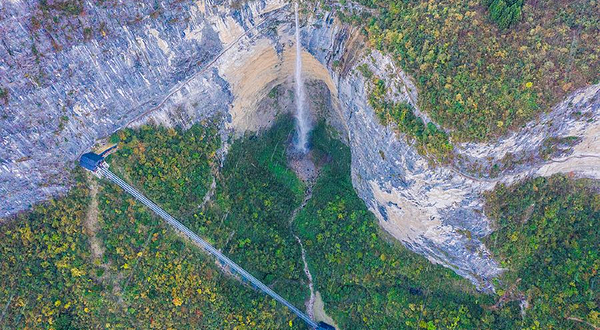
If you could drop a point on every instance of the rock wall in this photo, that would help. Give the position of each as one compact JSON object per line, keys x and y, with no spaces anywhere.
{"x":67,"y":89}
{"x":425,"y":207}
{"x":182,"y":62}
{"x":438,"y":211}
{"x":577,"y":117}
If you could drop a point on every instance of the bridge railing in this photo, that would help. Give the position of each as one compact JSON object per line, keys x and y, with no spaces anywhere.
{"x":105,"y":172}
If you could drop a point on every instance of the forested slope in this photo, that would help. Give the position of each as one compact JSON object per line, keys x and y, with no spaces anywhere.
{"x":548,"y":239}
{"x":485,"y":67}
{"x":369,"y":283}
{"x":146,"y":276}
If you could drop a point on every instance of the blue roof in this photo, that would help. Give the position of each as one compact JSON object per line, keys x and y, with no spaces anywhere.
{"x":90,"y":161}
{"x":325,"y":326}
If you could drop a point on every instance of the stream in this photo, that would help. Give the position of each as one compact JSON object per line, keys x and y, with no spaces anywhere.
{"x":303,"y":165}
{"x":305,"y":168}
{"x":311,"y":301}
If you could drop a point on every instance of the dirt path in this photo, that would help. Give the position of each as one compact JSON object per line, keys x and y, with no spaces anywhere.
{"x":91,"y":221}
{"x":92,"y":226}
{"x":209,"y":194}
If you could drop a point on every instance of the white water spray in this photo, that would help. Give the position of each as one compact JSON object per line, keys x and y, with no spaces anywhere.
{"x":302,"y":119}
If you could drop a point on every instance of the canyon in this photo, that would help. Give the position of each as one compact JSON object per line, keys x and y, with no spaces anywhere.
{"x":191,"y":62}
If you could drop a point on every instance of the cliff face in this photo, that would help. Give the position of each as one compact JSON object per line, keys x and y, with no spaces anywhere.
{"x":180,"y":63}
{"x":67,"y":88}
{"x":438,"y":211}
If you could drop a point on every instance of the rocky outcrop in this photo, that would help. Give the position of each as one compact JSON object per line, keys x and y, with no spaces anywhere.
{"x":566,"y":139}
{"x":195,"y":60}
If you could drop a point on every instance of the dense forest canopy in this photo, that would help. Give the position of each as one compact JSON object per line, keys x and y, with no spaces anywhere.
{"x":146,"y":276}
{"x":485,"y":67}
{"x":548,"y":239}
{"x":504,"y":13}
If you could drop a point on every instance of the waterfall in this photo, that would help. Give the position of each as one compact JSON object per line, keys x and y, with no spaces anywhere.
{"x":302,"y":115}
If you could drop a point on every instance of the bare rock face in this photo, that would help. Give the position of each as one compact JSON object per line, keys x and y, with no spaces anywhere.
{"x":180,"y":63}
{"x":98,"y":70}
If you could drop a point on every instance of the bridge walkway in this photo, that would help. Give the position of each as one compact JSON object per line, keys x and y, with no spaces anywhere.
{"x":103,"y":171}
